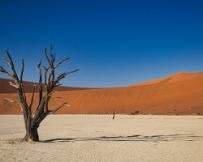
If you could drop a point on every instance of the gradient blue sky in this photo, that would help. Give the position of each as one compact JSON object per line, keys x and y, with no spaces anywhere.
{"x":113,"y":43}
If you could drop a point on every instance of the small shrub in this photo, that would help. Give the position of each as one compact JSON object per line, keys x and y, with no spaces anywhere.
{"x":136,"y":113}
{"x":193,"y":107}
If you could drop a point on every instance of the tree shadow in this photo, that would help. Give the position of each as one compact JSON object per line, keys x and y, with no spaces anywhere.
{"x":132,"y":138}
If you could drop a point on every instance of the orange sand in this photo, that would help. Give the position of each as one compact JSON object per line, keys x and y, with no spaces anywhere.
{"x":181,"y":94}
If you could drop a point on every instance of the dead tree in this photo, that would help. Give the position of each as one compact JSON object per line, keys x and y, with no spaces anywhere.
{"x":114,"y":114}
{"x":32,"y":120}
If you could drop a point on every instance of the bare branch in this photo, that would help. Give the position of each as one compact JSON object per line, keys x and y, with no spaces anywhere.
{"x":62,"y":105}
{"x":59,"y":84}
{"x":64,"y":74}
{"x":52,"y":58}
{"x":45,"y":75}
{"x":32,"y":98}
{"x":17,"y":101}
{"x":40,"y":81}
{"x":51,"y":76}
{"x":41,"y":118}
{"x":51,"y":49}
{"x":57,"y":80}
{"x":51,"y":55}
{"x":73,"y":71}
{"x":21,"y":75}
{"x":61,"y":77}
{"x":48,"y":95}
{"x":61,"y":62}
{"x":45,"y":52}
{"x":39,"y":112}
{"x":12,"y":66}
{"x":14,"y":85}
{"x":6,"y":60}
{"x":6,"y":73}
{"x":56,"y":97}
{"x":21,"y":79}
{"x":38,"y":65}
{"x":46,"y":69}
{"x":47,"y":98}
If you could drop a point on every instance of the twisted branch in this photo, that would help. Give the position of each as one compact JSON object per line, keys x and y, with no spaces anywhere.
{"x":6,"y":73}
{"x":32,"y":98}
{"x":12,"y":67}
{"x":62,"y":105}
{"x":40,"y":81}
{"x":61,"y":62}
{"x":14,"y":85}
{"x":21,"y":75}
{"x":17,"y":101}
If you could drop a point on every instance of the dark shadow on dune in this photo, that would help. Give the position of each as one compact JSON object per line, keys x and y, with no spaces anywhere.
{"x":133,"y":138}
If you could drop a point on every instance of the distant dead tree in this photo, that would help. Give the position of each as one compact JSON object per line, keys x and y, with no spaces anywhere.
{"x":32,"y":120}
{"x":114,"y":114}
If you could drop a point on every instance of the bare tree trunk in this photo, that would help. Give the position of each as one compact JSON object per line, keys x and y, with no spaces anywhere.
{"x":32,"y":121}
{"x":31,"y":135}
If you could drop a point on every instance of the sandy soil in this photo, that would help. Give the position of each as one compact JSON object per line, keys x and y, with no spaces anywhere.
{"x":95,"y":138}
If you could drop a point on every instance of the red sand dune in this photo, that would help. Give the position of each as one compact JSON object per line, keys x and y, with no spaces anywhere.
{"x":181,"y":76}
{"x":181,"y":93}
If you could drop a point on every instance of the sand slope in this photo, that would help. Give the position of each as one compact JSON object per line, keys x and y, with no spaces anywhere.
{"x":181,"y":94}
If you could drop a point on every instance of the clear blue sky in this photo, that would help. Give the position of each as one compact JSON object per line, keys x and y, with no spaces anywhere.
{"x":112,"y":42}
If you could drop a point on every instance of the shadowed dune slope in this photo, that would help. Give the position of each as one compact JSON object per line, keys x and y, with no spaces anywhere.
{"x":181,"y":94}
{"x":6,"y":88}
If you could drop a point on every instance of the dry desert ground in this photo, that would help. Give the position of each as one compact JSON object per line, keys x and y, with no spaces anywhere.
{"x":85,"y":138}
